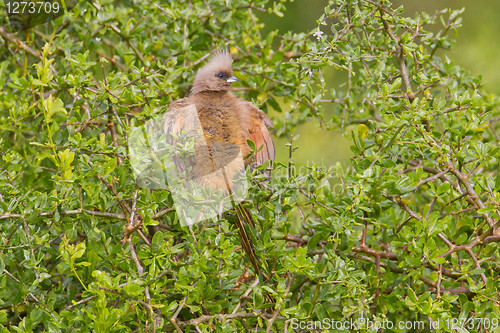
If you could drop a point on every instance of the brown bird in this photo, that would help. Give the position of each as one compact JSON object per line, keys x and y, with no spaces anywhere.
{"x":227,"y":123}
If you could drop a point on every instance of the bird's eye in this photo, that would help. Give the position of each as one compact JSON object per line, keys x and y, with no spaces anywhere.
{"x":220,"y":76}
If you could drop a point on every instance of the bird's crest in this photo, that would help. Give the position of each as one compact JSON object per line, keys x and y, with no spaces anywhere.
{"x":221,"y":62}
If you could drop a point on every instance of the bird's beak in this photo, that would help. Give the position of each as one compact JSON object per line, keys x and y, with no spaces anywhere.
{"x":232,"y":78}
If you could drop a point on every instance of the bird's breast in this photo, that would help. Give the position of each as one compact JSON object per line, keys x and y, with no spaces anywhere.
{"x":218,"y":121}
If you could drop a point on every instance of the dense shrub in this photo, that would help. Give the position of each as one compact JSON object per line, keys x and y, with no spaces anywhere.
{"x":409,"y":232}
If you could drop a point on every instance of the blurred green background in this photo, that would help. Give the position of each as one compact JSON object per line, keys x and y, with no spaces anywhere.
{"x":477,"y":48}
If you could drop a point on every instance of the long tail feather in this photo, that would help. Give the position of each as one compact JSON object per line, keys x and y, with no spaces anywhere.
{"x":245,"y":217}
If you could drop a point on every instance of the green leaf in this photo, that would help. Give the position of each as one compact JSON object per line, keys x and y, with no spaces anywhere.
{"x":158,"y":242}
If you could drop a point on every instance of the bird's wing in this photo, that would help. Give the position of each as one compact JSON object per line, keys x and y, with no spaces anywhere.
{"x":181,"y":125}
{"x":258,"y":124}
{"x":176,"y":119}
{"x":178,"y":104}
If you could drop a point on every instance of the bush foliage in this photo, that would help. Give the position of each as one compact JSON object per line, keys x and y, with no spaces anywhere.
{"x":409,"y":232}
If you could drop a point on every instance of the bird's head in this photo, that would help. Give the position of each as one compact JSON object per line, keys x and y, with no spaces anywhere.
{"x":216,"y":75}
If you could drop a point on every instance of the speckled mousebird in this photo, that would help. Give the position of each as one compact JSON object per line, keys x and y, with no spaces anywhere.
{"x":227,"y":122}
